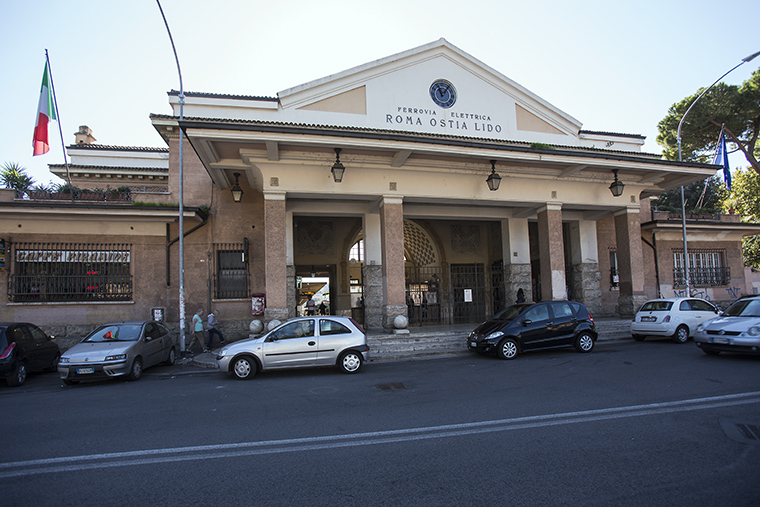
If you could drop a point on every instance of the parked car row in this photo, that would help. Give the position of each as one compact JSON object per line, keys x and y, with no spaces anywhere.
{"x":125,"y":349}
{"x":735,"y":330}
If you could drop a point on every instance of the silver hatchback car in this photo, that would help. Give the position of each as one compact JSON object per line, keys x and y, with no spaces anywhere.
{"x":298,"y":343}
{"x":118,"y":349}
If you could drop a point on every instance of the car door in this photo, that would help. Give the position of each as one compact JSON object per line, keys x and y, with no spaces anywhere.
{"x":46,"y":350}
{"x":292,"y":345}
{"x":333,"y":338}
{"x":25,"y":346}
{"x":535,"y":323}
{"x":152,"y":345}
{"x":563,"y":323}
{"x":701,"y":311}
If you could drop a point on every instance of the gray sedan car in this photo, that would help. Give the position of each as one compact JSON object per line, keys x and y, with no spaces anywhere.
{"x":118,"y":349}
{"x":298,"y":343}
{"x":736,"y":330}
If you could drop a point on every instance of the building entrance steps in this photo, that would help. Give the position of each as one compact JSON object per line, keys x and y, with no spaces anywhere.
{"x":430,"y":342}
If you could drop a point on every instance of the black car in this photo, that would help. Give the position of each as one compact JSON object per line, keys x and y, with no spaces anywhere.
{"x":23,"y":348}
{"x":530,"y":326}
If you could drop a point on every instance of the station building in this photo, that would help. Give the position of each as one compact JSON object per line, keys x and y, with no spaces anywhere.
{"x":425,"y":184}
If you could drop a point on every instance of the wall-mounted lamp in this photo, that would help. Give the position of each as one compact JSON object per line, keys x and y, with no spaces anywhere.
{"x":493,"y":180}
{"x":617,"y":186}
{"x":337,"y":168}
{"x":237,"y":192}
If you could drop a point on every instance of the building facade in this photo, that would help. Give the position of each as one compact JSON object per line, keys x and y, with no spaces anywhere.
{"x":425,"y":185}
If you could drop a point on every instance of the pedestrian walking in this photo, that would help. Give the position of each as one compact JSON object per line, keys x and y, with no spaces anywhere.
{"x":310,"y":306}
{"x":212,"y":330}
{"x":197,"y":330}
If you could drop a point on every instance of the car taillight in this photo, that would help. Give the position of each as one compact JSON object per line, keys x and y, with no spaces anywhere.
{"x":8,"y":350}
{"x":590,"y":317}
{"x":666,"y":319}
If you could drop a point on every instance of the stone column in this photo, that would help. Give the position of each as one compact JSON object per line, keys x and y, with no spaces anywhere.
{"x":551,"y":251}
{"x":275,"y":256}
{"x":630,"y":261}
{"x":516,"y":254}
{"x":394,"y":277}
{"x":372,"y":273}
{"x":585,"y":265}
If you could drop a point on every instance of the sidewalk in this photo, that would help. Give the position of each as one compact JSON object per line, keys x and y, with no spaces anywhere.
{"x":429,"y":342}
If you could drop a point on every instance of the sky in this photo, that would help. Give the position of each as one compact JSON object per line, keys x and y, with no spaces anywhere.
{"x":614,"y":66}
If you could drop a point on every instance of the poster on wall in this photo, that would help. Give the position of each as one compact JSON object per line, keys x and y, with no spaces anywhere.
{"x":258,"y":304}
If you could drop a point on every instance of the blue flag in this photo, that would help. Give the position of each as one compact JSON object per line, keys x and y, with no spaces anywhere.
{"x":721,"y":158}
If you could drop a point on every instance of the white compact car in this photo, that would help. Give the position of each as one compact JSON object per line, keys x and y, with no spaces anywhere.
{"x":298,"y":343}
{"x":676,"y":318}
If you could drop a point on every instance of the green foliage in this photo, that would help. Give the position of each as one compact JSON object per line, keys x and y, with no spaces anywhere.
{"x":736,"y":107}
{"x":744,"y":199}
{"x":14,"y":176}
{"x":541,"y":146}
{"x":703,"y":196}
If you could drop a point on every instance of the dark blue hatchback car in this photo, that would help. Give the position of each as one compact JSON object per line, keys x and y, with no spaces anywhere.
{"x":530,"y":326}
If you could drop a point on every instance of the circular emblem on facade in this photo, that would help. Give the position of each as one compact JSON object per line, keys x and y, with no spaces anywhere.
{"x":443,"y":93}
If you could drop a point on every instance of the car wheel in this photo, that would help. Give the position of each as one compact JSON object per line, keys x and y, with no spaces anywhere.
{"x":172,"y":357}
{"x":507,"y":348}
{"x":584,"y":343}
{"x":681,"y":335}
{"x":70,"y":382}
{"x":350,"y":362}
{"x":136,"y":371}
{"x":18,"y":376}
{"x":638,"y":337}
{"x":711,"y":352}
{"x":244,"y":367}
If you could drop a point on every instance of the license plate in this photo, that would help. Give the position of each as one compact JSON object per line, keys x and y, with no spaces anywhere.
{"x":725,"y":341}
{"x":82,"y":371}
{"x":648,"y":319}
{"x":473,"y":344}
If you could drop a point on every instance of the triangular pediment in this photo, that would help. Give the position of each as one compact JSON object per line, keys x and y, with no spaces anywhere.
{"x":395,"y":93}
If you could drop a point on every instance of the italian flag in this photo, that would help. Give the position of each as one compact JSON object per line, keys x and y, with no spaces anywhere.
{"x":45,"y":113}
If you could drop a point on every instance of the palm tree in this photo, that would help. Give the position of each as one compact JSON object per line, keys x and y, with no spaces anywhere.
{"x":14,"y":176}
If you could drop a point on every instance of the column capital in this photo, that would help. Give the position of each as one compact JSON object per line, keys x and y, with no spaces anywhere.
{"x":628,"y":210}
{"x":550,"y":206}
{"x":276,"y":195}
{"x":391,"y":199}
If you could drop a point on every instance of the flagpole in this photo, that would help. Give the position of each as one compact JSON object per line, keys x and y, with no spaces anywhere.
{"x":58,"y":117}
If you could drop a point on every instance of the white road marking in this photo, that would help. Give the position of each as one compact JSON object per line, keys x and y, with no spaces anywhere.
{"x":240,"y":449}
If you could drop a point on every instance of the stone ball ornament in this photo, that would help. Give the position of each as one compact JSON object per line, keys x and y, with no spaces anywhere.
{"x":256,"y":326}
{"x":273,"y":324}
{"x":400,"y":322}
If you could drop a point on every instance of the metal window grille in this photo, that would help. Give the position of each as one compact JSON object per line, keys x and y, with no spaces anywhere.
{"x":706,"y":268}
{"x":49,"y":272}
{"x":231,"y":280}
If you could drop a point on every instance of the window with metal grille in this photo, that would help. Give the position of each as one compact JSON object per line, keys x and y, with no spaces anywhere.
{"x":706,"y":268}
{"x":231,"y":271}
{"x":47,"y":272}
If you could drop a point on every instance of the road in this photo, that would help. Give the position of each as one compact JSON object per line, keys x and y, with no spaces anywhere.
{"x":652,"y":423}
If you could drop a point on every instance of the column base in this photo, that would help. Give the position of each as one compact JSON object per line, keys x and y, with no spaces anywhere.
{"x":628,"y":305}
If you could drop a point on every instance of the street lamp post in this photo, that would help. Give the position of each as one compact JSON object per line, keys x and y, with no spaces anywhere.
{"x":181,"y":199}
{"x":683,"y":200}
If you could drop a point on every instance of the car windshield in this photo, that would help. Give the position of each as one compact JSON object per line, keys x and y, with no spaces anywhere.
{"x":656,"y":306}
{"x":744,"y":308}
{"x":120,"y":333}
{"x":510,"y":313}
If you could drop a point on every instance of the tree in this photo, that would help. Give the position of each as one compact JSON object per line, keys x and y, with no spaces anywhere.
{"x":14,"y":176}
{"x":704,"y":196}
{"x":735,"y":108}
{"x":744,"y":199}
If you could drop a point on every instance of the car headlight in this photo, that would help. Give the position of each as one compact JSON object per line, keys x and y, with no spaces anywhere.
{"x":754,"y":331}
{"x":222,"y":353}
{"x":63,"y":359}
{"x":700,"y":328}
{"x":494,"y":335}
{"x":116,"y":357}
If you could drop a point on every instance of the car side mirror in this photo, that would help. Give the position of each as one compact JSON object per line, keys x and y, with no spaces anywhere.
{"x":525,"y":322}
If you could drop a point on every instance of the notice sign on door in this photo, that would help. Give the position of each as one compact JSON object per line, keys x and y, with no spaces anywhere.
{"x":468,"y":295}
